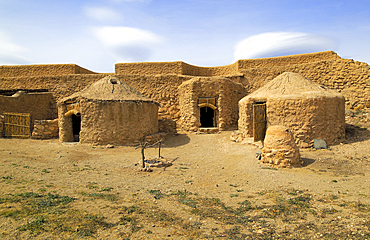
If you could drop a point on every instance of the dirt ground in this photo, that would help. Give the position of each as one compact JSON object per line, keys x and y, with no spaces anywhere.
{"x":215,"y":189}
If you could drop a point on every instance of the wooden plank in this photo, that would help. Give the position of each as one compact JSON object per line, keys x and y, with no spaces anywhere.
{"x":259,"y":121}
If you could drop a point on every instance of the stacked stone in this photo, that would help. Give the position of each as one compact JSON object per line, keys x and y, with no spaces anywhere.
{"x":45,"y":129}
{"x":167,"y":125}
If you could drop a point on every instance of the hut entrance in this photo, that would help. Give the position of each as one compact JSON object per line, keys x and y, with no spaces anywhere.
{"x":76,"y":126}
{"x":207,"y":109}
{"x":259,"y":121}
{"x":207,"y":117}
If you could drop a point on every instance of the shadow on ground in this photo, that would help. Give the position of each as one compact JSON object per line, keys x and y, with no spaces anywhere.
{"x":175,"y":140}
{"x":356,"y":134}
{"x":307,"y":161}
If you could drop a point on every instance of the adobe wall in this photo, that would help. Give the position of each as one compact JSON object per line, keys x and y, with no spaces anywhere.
{"x":347,"y":76}
{"x":181,"y":68}
{"x":226,"y":92}
{"x":117,"y":123}
{"x":191,"y":70}
{"x":322,"y":118}
{"x":351,"y":78}
{"x":41,"y":105}
{"x":149,"y":68}
{"x":287,"y":60}
{"x":42,"y":70}
{"x":161,"y":88}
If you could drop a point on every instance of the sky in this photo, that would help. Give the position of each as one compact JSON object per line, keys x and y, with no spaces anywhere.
{"x":96,"y":34}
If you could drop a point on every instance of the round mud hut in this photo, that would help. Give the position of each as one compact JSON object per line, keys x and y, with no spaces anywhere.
{"x":310,"y":110}
{"x":108,"y":111}
{"x":209,"y":103}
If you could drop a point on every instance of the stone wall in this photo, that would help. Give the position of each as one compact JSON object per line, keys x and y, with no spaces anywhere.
{"x":181,"y":68}
{"x":226,"y":93}
{"x":45,"y":129}
{"x":149,"y":68}
{"x":42,"y":70}
{"x":350,"y":78}
{"x":167,"y":125}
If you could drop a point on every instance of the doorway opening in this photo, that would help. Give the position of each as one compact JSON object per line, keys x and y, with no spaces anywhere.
{"x":76,"y":127}
{"x":207,"y":117}
{"x":259,"y":121}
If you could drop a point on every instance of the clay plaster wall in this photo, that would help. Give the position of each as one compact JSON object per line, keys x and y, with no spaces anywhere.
{"x":226,"y":92}
{"x":117,"y":123}
{"x":41,"y":105}
{"x":111,"y":122}
{"x":350,"y":78}
{"x":42,"y":70}
{"x":149,"y":68}
{"x":311,"y":118}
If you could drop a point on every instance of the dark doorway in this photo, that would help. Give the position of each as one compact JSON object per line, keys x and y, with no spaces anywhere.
{"x":207,"y":117}
{"x":76,"y":127}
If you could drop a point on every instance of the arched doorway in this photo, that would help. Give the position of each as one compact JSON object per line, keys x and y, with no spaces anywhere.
{"x":207,"y":117}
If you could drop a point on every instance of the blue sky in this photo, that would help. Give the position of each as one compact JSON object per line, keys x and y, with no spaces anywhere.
{"x":96,"y":34}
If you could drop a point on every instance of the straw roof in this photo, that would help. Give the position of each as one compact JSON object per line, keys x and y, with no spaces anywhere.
{"x":292,"y":86}
{"x":109,"y":88}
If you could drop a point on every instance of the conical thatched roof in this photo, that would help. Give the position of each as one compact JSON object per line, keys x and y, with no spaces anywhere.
{"x":292,"y":86}
{"x":109,"y":88}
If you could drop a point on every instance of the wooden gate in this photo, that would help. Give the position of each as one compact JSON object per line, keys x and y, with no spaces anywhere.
{"x":259,"y":121}
{"x":17,"y":125}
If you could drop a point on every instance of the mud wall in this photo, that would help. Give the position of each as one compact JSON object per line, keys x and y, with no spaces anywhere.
{"x":117,"y":123}
{"x":348,"y":77}
{"x":41,"y":105}
{"x":322,"y":118}
{"x":226,"y":92}
{"x":42,"y":70}
{"x":149,"y":68}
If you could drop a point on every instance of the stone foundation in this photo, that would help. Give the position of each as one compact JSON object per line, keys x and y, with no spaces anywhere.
{"x":45,"y":129}
{"x":167,"y":125}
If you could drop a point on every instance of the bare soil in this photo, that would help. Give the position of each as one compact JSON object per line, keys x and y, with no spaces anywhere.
{"x":215,"y":189}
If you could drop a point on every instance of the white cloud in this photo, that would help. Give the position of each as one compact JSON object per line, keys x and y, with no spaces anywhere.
{"x":11,"y":53}
{"x":102,"y":13}
{"x":127,"y":44}
{"x":281,"y":43}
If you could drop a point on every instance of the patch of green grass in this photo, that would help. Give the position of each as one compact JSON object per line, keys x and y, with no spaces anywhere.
{"x":234,"y":195}
{"x":157,"y":193}
{"x":107,"y":189}
{"x":45,"y":171}
{"x":105,"y":196}
{"x":51,"y":213}
{"x":92,"y":185}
